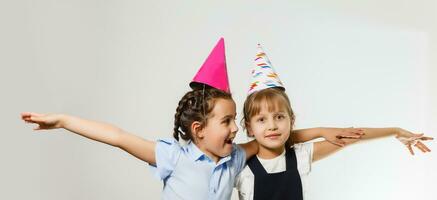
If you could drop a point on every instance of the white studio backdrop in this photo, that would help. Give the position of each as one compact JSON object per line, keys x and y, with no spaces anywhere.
{"x":369,"y":63}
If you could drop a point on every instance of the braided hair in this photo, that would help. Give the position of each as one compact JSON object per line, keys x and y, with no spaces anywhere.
{"x":194,"y":106}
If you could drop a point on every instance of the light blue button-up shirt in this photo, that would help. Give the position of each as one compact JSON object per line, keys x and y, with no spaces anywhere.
{"x":189,"y":174}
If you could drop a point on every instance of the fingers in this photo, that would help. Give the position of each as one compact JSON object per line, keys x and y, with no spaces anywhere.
{"x":348,"y":136}
{"x":422,"y":147}
{"x":338,"y":142}
{"x":410,"y":149}
{"x":426,"y":138}
{"x":33,"y":119}
{"x":422,"y":137}
{"x":30,"y":119}
{"x":37,"y":119}
{"x":27,"y":119}
{"x":355,"y":131}
{"x":359,"y":132}
{"x":418,"y":135}
{"x":26,"y":116}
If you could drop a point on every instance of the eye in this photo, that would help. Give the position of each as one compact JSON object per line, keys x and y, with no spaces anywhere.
{"x":261,"y":119}
{"x":227,"y":121}
{"x":280,"y":117}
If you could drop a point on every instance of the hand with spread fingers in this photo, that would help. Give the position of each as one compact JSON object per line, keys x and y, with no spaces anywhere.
{"x":410,"y":139}
{"x":337,"y":138}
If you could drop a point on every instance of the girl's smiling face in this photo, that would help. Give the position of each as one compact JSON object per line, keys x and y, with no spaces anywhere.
{"x":271,"y":127}
{"x":216,"y":137}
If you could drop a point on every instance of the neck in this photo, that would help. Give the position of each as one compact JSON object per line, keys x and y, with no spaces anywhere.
{"x":268,"y":153}
{"x":202,"y":148}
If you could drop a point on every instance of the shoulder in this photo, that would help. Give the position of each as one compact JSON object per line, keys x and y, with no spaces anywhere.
{"x":237,"y":149}
{"x":304,"y":156}
{"x":168,"y":145}
{"x":304,"y":149}
{"x":245,"y":173}
{"x":244,"y":183}
{"x":167,"y":153}
{"x":238,"y":153}
{"x":303,"y":146}
{"x":167,"y":150}
{"x":168,"y":141}
{"x":238,"y":157}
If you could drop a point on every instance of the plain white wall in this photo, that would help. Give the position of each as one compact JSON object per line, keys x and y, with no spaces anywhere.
{"x":367,"y":63}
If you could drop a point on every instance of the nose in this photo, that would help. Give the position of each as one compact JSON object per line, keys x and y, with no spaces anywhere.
{"x":234,"y":128}
{"x":272,"y":126}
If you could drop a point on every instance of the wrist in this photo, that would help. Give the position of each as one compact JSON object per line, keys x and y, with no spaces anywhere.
{"x":397,"y":131}
{"x":62,"y":118}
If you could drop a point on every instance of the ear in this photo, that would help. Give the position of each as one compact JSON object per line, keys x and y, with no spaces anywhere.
{"x":249,"y":131}
{"x":196,"y":129}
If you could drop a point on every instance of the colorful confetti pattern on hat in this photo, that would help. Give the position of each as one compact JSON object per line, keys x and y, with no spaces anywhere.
{"x":263,"y":74}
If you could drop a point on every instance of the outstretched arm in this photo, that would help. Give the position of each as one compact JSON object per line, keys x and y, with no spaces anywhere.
{"x":408,"y":138}
{"x":98,"y":131}
{"x":336,"y":136}
{"x":332,"y":135}
{"x":324,"y":148}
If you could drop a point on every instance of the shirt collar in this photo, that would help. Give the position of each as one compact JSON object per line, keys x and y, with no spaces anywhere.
{"x":197,"y":154}
{"x":194,"y":151}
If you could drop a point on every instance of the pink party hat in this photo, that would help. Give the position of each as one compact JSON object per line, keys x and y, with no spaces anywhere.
{"x":263,"y":74}
{"x":213,"y":71}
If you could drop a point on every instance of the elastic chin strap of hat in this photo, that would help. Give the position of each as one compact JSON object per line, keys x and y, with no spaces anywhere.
{"x":203,"y":100}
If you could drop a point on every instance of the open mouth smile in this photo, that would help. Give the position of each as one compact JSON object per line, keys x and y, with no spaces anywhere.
{"x":229,"y":140}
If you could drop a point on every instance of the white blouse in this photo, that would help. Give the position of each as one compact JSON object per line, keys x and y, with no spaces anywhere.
{"x":304,"y":155}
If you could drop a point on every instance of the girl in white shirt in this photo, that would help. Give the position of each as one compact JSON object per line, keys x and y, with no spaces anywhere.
{"x":280,"y":169}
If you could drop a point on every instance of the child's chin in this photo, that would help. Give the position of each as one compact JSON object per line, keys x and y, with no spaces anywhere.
{"x":227,"y":150}
{"x":274,"y":145}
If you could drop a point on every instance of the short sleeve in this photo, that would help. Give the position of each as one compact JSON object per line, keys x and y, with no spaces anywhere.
{"x":238,"y":158}
{"x":244,"y":183}
{"x":304,"y":155}
{"x":167,"y":152}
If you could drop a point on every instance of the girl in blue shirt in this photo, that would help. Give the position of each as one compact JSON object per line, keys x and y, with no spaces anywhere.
{"x":204,"y":168}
